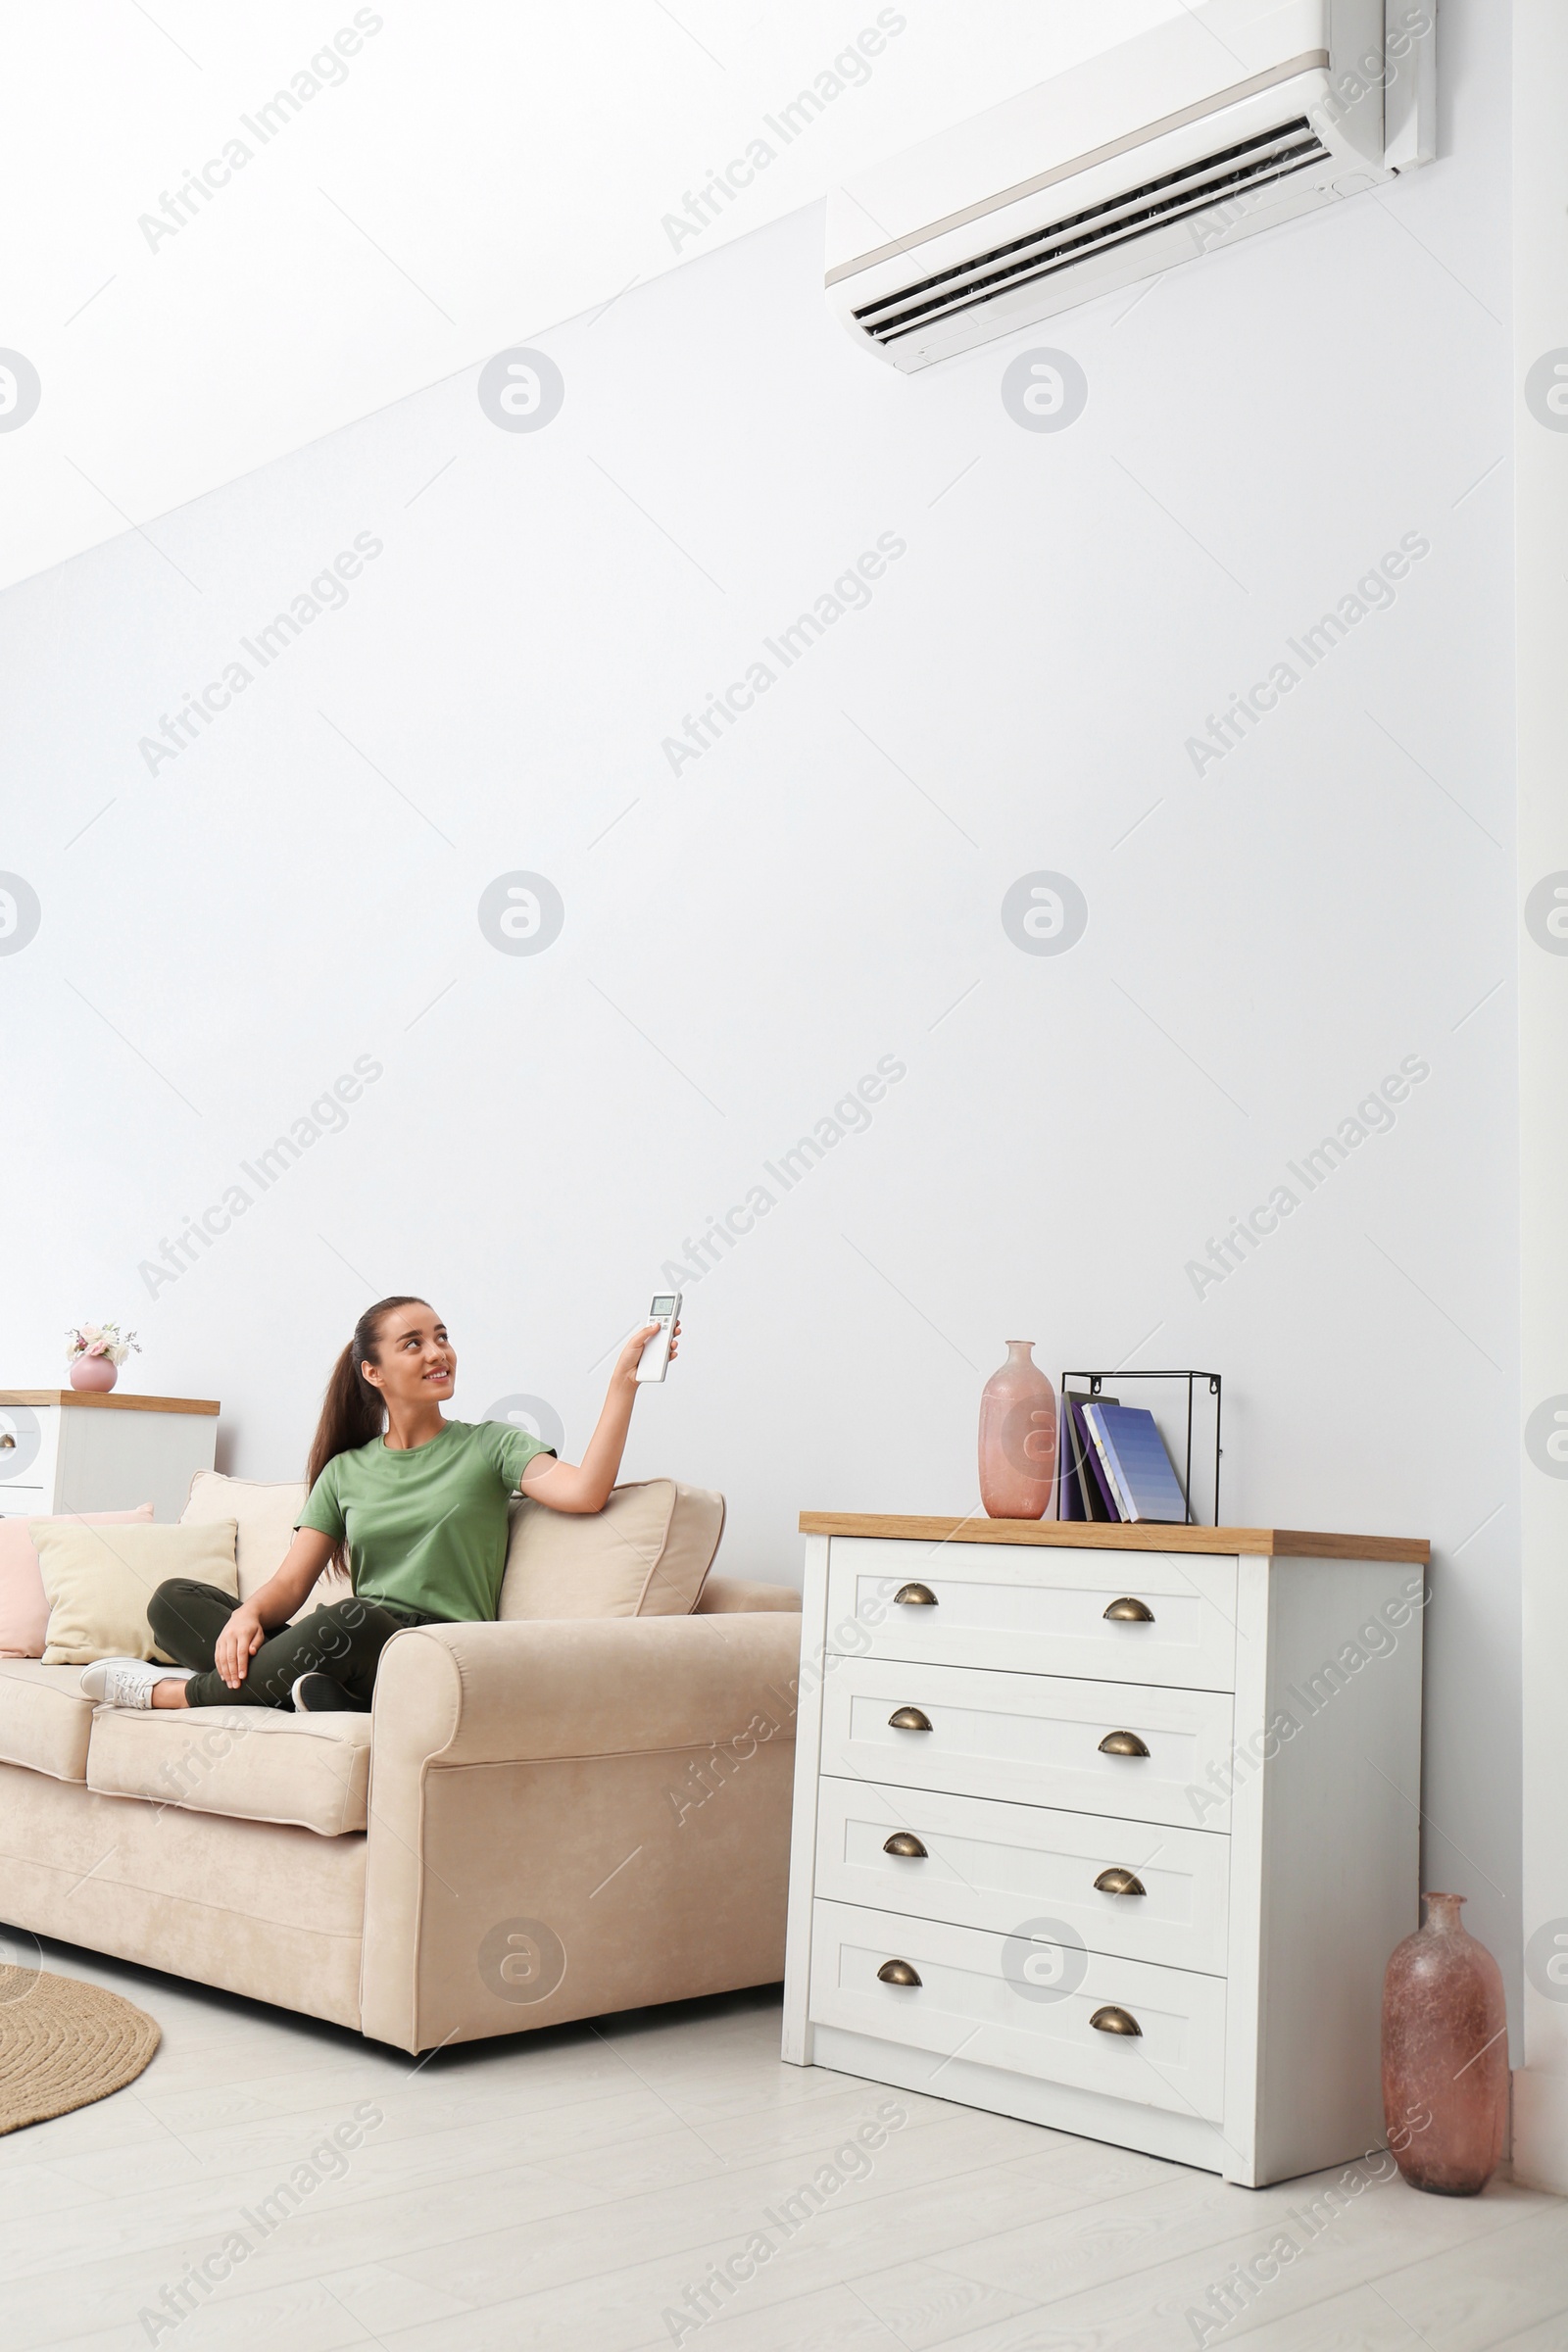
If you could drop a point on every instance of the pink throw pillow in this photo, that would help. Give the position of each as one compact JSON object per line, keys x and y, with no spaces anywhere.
{"x":24,"y":1603}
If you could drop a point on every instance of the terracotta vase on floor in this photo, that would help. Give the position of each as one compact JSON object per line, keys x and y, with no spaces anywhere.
{"x":1445,"y":2055}
{"x":94,"y":1373}
{"x":1018,"y":1438}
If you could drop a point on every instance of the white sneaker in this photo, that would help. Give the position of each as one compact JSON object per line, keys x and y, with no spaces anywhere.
{"x":128,"y":1682}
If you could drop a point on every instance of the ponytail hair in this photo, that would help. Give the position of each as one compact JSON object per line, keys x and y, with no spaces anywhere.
{"x":352,"y":1410}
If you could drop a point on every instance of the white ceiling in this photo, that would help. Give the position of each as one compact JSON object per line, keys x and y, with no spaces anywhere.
{"x":471,"y":175}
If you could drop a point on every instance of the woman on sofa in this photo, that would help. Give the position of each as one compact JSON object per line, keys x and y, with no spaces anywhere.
{"x":416,"y":1515}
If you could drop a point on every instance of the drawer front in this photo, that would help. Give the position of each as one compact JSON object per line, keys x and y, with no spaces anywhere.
{"x":996,"y":1866}
{"x":1004,"y":2003}
{"x":1032,"y":1738}
{"x":1038,"y":1610}
{"x":23,"y":1503}
{"x":28,"y":1437}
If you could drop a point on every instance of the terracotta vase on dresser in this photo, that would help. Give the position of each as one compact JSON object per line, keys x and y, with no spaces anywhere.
{"x":1445,"y":2055}
{"x":1018,"y":1439}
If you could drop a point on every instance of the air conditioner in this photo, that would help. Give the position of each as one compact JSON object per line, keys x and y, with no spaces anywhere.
{"x":1231,"y":116}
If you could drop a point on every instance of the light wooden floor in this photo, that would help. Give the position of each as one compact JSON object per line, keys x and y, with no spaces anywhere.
{"x":561,"y":2192}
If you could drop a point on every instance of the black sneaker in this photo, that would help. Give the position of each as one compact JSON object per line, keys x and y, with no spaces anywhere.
{"x":318,"y":1694}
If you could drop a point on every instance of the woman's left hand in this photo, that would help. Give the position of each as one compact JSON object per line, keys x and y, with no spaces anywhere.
{"x":630,"y":1355}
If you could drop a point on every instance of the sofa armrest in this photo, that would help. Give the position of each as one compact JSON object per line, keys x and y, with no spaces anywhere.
{"x":553,"y":1687}
{"x":724,"y":1596}
{"x":612,"y":1791}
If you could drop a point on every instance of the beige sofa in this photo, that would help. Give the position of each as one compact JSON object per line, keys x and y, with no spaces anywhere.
{"x":543,"y":1819}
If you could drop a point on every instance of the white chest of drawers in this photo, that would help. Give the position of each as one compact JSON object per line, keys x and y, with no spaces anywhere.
{"x":1113,"y":1829}
{"x":65,"y":1450}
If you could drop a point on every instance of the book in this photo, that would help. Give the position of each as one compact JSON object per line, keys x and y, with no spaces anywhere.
{"x":1132,"y":1453}
{"x":1091,"y":1496}
{"x":1110,"y":1503}
{"x":1069,"y":1492}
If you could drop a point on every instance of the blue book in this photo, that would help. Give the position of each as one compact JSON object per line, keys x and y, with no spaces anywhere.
{"x":1137,"y":1466}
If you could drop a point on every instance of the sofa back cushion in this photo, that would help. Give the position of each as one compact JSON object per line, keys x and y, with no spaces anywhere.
{"x":264,"y":1513}
{"x":100,"y":1579}
{"x":23,"y":1603}
{"x":645,"y":1554}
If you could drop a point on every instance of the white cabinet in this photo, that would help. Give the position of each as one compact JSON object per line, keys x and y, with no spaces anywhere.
{"x":1113,"y":1829}
{"x":61,"y":1449}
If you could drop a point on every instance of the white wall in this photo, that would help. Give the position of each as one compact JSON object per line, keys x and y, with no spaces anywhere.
{"x":744,"y":939}
{"x":215,"y":274}
{"x":1541,"y":371}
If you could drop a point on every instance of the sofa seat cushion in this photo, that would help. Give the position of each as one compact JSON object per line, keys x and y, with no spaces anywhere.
{"x":252,"y":1763}
{"x":45,"y":1718}
{"x":734,"y":1595}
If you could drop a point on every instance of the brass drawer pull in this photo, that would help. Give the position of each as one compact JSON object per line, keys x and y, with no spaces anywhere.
{"x":1128,"y":1611}
{"x":915,"y":1595}
{"x":1122,"y":1743}
{"x":911,"y":1719}
{"x":1116,"y":2021}
{"x":899,"y":1972}
{"x":905,"y":1844}
{"x":1120,"y":1882}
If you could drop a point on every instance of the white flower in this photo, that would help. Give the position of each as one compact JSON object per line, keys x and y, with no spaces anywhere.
{"x":101,"y":1338}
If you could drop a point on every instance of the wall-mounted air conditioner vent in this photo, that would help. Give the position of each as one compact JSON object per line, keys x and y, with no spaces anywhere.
{"x":1070,"y":243}
{"x":1143,"y":158}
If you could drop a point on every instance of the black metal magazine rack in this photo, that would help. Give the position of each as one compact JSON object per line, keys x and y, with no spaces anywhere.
{"x":1184,"y":1464}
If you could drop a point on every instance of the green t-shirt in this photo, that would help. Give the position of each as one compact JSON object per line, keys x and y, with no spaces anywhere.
{"x":426,"y":1527}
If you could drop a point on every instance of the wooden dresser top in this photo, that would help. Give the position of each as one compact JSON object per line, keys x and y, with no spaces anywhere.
{"x":1269,"y":1543}
{"x":113,"y":1402}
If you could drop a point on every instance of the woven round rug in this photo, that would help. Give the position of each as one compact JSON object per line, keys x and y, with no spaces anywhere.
{"x":63,"y":2044}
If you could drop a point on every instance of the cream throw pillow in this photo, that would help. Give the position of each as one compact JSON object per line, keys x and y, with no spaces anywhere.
{"x":99,"y":1581}
{"x":645,"y":1554}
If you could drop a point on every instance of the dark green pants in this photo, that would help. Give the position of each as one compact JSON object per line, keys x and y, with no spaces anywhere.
{"x":344,"y":1640}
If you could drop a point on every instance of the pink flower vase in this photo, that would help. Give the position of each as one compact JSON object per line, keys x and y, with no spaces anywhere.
{"x":94,"y":1373}
{"x":1445,"y":2055}
{"x":1018,"y":1439}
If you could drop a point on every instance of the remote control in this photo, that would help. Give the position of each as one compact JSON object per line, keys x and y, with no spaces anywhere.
{"x":654,"y":1361}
